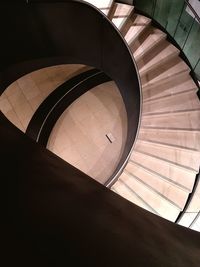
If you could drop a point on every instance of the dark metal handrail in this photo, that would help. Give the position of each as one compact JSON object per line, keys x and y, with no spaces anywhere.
{"x":193,"y":11}
{"x":82,"y":35}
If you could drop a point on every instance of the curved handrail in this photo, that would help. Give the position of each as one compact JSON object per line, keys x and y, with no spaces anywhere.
{"x":49,"y":111}
{"x":193,"y":11}
{"x":40,"y":44}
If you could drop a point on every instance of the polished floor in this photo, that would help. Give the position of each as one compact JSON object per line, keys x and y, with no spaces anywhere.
{"x":80,"y":135}
{"x":21,"y":99}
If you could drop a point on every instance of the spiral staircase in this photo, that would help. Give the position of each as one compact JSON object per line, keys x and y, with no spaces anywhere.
{"x":52,"y":213}
{"x":161,"y":172}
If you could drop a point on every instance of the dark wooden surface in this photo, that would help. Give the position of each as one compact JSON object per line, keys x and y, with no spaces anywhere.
{"x":58,"y":216}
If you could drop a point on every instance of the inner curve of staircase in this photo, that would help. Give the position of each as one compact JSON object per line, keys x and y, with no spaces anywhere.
{"x":162,"y":169}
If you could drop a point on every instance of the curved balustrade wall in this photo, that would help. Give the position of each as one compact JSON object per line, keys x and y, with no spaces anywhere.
{"x":41,"y":34}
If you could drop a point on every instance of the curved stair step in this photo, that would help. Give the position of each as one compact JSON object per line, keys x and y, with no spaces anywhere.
{"x":170,"y":85}
{"x":185,"y":157}
{"x":170,"y":191}
{"x":119,"y":14}
{"x":139,"y":24}
{"x":181,"y":101}
{"x":178,"y":176}
{"x":188,"y":119}
{"x":103,"y":5}
{"x":149,"y":43}
{"x":188,"y":139}
{"x":123,"y":190}
{"x":168,"y":69}
{"x":157,"y":202}
{"x":170,"y":95}
{"x":159,"y":55}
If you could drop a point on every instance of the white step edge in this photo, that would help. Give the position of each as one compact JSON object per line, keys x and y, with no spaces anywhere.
{"x":133,"y":176}
{"x":159,"y":114}
{"x":157,"y":99}
{"x":131,"y":191}
{"x":178,"y":165}
{"x":160,"y":176}
{"x":171,"y":146}
{"x":170,"y":129}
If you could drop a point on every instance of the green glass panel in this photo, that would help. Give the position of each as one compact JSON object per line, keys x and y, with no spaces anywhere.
{"x":175,"y":11}
{"x":162,"y":11}
{"x":197,"y":70}
{"x":184,"y":27}
{"x":145,"y":6}
{"x":192,"y":44}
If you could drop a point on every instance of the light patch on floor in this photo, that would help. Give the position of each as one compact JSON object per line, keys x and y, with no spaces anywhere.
{"x":79,"y":136}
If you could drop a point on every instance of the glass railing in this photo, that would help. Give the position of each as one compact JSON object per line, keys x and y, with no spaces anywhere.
{"x":181,"y":21}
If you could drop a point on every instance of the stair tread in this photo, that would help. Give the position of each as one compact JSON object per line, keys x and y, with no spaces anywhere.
{"x":177,"y":79}
{"x":168,"y":50}
{"x":171,"y":129}
{"x":182,"y":119}
{"x":121,"y":12}
{"x":165,"y":162}
{"x":160,"y":95}
{"x":172,"y":146}
{"x":123,"y":190}
{"x":176,"y":66}
{"x":159,"y":175}
{"x":138,"y":25}
{"x":170,"y":191}
{"x":175,"y":112}
{"x":159,"y":203}
{"x":154,"y":37}
{"x":153,"y":190}
{"x":183,"y":157}
{"x":103,"y":5}
{"x":181,"y":101}
{"x":187,"y":139}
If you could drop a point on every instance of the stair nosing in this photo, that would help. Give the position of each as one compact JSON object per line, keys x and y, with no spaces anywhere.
{"x":190,"y":150}
{"x":161,"y":62}
{"x":169,"y":77}
{"x":153,"y":190}
{"x":148,"y":85}
{"x":177,"y":165}
{"x":160,"y":176}
{"x":148,"y":49}
{"x":140,"y":31}
{"x":125,"y":21}
{"x":164,"y":113}
{"x":171,"y":129}
{"x":156,"y":99}
{"x":139,"y":197}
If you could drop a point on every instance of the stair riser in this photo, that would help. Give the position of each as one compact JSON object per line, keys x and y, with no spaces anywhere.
{"x":173,"y":103}
{"x":188,"y":140}
{"x":177,"y":156}
{"x":190,"y":120}
{"x":173,"y":193}
{"x":159,"y":204}
{"x":123,"y":191}
{"x":153,"y":40}
{"x":145,"y":59}
{"x":177,"y":175}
